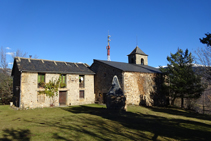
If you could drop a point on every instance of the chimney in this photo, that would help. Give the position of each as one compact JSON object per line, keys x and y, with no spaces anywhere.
{"x":30,"y":56}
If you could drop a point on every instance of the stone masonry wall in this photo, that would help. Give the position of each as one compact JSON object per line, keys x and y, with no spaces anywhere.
{"x":28,"y":93}
{"x":103,"y":79}
{"x":139,"y":57}
{"x":139,"y":87}
{"x":29,"y":90}
{"x":73,"y":87}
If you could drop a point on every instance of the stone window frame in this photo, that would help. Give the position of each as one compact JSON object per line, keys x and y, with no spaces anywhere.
{"x":81,"y":94}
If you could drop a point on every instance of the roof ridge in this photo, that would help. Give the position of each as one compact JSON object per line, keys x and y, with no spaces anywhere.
{"x":46,"y":60}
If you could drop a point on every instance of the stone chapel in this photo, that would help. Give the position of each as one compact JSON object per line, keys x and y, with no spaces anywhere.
{"x":139,"y":82}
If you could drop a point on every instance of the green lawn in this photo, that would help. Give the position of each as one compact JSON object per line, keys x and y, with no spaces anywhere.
{"x":94,"y":122}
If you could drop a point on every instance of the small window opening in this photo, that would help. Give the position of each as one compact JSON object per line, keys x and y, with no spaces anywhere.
{"x":142,"y":61}
{"x":62,"y":81}
{"x":81,"y":81}
{"x":41,"y":80}
{"x":132,"y":60}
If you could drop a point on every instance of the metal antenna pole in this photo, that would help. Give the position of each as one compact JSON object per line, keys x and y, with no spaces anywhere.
{"x":108,"y":48}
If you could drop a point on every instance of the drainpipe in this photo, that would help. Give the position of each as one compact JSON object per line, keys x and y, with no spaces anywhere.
{"x":20,"y":90}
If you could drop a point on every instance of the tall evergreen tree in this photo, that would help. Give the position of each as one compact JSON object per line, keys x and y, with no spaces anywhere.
{"x":181,"y":81}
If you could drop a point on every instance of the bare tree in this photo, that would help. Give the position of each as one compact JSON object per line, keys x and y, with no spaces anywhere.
{"x":19,"y":53}
{"x":4,"y":63}
{"x":35,"y":56}
{"x":204,"y":58}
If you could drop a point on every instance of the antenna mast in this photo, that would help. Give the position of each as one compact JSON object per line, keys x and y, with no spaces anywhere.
{"x":108,"y":48}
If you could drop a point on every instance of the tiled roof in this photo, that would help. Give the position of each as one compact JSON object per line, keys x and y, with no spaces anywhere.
{"x":49,"y":66}
{"x":131,"y":67}
{"x":137,"y":50}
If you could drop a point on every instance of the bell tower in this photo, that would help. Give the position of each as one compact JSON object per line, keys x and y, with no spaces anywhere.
{"x":137,"y":56}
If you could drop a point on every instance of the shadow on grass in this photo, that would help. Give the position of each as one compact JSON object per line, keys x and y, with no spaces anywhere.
{"x":58,"y":137}
{"x":178,"y":129}
{"x":17,"y":135}
{"x":178,"y":111}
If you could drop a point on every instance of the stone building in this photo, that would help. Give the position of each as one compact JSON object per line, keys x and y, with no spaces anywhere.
{"x":140,"y":82}
{"x":29,"y":76}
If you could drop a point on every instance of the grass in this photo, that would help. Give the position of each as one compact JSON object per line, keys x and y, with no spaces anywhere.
{"x":94,"y":122}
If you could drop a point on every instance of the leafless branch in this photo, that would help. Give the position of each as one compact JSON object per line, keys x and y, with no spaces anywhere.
{"x":4,"y":63}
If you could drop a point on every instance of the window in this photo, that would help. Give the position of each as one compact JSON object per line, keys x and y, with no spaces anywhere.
{"x":41,"y":80}
{"x":81,"y":81}
{"x":142,"y":61}
{"x":132,"y":61}
{"x":62,"y":80}
{"x":40,"y":98}
{"x":81,"y":94}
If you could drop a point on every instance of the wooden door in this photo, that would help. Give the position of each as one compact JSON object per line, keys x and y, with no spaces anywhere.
{"x":62,"y":97}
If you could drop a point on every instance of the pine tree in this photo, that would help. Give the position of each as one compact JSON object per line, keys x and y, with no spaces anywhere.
{"x":181,"y":81}
{"x":206,"y":40}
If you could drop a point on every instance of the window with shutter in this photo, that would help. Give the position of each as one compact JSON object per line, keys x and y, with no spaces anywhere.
{"x":63,"y":81}
{"x":41,"y":80}
{"x":81,"y":94}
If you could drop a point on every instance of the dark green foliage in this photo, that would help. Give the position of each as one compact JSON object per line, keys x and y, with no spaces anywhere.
{"x":181,"y":81}
{"x":6,"y":85}
{"x":206,"y":40}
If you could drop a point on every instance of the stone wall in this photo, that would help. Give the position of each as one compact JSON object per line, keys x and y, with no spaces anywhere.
{"x":136,"y":59}
{"x":73,"y":87}
{"x":140,"y":88}
{"x":29,"y":90}
{"x":139,"y":57}
{"x":103,"y":79}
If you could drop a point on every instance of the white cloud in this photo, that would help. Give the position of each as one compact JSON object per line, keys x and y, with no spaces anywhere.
{"x":10,"y":53}
{"x":10,"y":63}
{"x":8,"y":48}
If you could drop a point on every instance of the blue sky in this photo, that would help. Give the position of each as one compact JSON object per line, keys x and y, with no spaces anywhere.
{"x":76,"y":31}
